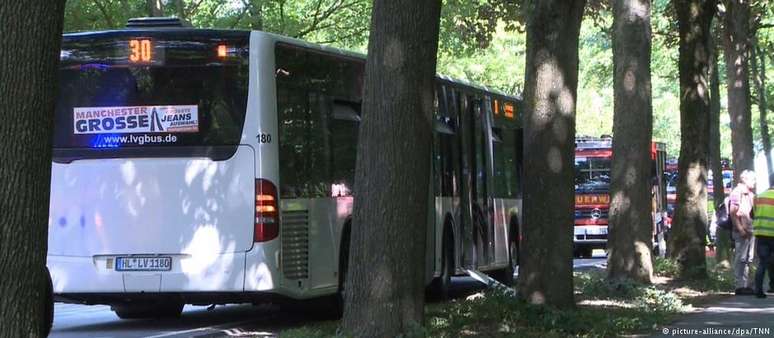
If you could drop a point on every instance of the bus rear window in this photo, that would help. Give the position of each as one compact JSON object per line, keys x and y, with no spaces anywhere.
{"x":183,"y":97}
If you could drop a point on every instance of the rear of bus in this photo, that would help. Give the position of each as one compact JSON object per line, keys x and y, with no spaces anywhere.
{"x":155,"y":188}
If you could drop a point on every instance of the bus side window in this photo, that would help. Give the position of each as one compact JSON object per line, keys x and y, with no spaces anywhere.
{"x":506,"y":164}
{"x":318,"y":103}
{"x":302,"y":117}
{"x":343,"y":126}
{"x":292,"y":111}
{"x":443,"y":141}
{"x":318,"y":167}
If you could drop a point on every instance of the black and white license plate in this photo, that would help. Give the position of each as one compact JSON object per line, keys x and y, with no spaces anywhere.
{"x":143,"y":263}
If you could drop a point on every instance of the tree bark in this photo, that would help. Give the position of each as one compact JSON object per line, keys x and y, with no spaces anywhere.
{"x":759,"y":74}
{"x":155,"y":8}
{"x":689,"y":230}
{"x":723,"y":237}
{"x":736,"y":41}
{"x":551,"y":84}
{"x":631,"y":220}
{"x":28,"y":78}
{"x":385,"y":285}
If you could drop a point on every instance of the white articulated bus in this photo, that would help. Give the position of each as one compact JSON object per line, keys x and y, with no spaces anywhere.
{"x":197,"y":166}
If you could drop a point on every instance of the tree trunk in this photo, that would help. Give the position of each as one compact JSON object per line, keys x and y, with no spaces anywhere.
{"x":256,"y":14}
{"x":689,"y":230}
{"x":28,"y":79}
{"x":155,"y":8}
{"x":551,"y":84}
{"x":385,"y":285}
{"x":759,"y":70}
{"x":723,"y":237}
{"x":736,"y":40}
{"x":631,"y":219}
{"x":180,"y":9}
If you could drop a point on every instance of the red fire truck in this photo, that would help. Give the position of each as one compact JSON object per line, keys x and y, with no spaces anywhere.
{"x":593,"y":157}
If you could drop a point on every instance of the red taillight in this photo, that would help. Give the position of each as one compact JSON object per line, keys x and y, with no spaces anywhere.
{"x":266,"y":211}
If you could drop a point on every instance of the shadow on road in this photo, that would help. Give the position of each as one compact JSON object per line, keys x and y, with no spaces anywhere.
{"x":230,"y":320}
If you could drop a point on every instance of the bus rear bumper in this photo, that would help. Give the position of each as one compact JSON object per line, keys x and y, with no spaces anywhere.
{"x":97,"y":274}
{"x":195,"y":298}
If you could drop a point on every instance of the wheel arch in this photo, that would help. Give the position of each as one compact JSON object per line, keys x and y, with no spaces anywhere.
{"x":448,"y":234}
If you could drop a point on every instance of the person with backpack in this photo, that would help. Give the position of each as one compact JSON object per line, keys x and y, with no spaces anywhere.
{"x":740,"y":209}
{"x":763,"y":228}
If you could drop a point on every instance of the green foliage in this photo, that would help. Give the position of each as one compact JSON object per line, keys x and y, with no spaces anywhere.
{"x":501,"y":66}
{"x":665,"y":267}
{"x":468,"y":26}
{"x":344,"y":23}
{"x":327,"y":329}
{"x":82,"y":15}
{"x":499,"y":315}
{"x":657,"y":300}
{"x":647,"y":297}
{"x":719,"y":279}
{"x":595,"y":85}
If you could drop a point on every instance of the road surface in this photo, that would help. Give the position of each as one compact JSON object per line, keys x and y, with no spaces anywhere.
{"x":97,"y":321}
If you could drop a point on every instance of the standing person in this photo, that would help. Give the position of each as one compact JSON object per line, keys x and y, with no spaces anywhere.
{"x":740,"y":207}
{"x":763,"y":228}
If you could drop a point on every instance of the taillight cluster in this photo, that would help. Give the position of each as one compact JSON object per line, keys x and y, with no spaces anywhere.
{"x":266,"y":211}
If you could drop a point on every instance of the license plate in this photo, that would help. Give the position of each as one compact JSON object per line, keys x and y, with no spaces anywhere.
{"x":596,"y":231}
{"x":143,"y":263}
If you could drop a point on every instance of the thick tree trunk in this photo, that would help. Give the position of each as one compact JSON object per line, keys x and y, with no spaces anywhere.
{"x":155,"y":8}
{"x":723,"y":237}
{"x":545,"y":276}
{"x":28,"y":78}
{"x":736,"y":41}
{"x":759,"y":70}
{"x":631,"y":219}
{"x":689,"y":230}
{"x":385,"y":285}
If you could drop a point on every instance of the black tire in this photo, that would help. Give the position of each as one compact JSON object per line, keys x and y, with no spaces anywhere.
{"x":169,"y":309}
{"x":505,"y":275}
{"x":440,"y":287}
{"x":339,"y":298}
{"x":48,"y":310}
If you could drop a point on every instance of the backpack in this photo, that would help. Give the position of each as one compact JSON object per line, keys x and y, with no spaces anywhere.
{"x":721,"y":216}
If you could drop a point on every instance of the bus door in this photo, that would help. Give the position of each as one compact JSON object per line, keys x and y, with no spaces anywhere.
{"x":479,"y":197}
{"x":487,"y":139}
{"x":658,"y":179}
{"x":464,"y":177}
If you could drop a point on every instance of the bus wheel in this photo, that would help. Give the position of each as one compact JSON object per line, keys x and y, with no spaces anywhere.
{"x":505,"y":275}
{"x":341,"y":292}
{"x":171,"y":309}
{"x":48,"y":310}
{"x":440,"y":286}
{"x":340,"y":297}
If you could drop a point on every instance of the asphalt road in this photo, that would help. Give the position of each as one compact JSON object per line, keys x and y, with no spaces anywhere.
{"x":97,"y":321}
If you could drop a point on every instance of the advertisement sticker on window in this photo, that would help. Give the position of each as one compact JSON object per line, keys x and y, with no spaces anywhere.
{"x":136,"y":119}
